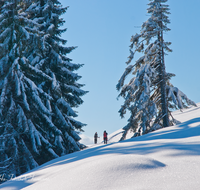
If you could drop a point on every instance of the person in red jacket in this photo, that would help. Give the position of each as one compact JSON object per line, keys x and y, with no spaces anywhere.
{"x":105,"y":137}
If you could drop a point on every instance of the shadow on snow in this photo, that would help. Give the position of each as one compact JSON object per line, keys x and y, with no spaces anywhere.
{"x":131,"y":146}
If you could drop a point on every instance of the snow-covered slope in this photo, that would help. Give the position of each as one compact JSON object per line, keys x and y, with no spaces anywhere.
{"x":167,"y":159}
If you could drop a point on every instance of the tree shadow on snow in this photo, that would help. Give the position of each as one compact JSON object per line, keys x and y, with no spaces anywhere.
{"x":15,"y":184}
{"x":183,"y":130}
{"x":142,"y":145}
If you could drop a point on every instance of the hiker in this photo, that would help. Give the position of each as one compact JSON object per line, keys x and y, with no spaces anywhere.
{"x":95,"y":138}
{"x":105,"y":137}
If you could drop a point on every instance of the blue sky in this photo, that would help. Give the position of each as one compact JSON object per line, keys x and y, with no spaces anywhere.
{"x":102,"y":30}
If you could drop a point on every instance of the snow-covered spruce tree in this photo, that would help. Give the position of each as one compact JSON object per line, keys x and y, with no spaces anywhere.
{"x":64,"y":89}
{"x":18,"y":135}
{"x":37,"y":90}
{"x":149,"y":96}
{"x":53,"y":61}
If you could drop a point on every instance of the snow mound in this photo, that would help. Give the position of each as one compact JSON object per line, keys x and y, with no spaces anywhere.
{"x":165,"y":159}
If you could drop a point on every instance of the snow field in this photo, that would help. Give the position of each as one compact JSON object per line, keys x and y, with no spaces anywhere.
{"x":166,"y":159}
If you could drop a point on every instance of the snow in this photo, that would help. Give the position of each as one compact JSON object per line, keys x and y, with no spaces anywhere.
{"x":165,"y":159}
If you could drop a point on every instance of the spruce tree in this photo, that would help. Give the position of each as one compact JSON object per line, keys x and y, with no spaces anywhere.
{"x":150,"y":96}
{"x":17,"y":131}
{"x":52,"y":59}
{"x":38,"y":87}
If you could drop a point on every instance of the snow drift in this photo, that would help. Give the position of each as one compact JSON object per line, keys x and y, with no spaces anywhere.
{"x":165,"y":159}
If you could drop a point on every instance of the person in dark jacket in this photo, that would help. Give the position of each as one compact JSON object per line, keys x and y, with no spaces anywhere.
{"x":105,"y":137}
{"x":95,"y":138}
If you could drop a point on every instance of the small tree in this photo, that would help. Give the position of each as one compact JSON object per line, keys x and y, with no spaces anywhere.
{"x":150,"y":95}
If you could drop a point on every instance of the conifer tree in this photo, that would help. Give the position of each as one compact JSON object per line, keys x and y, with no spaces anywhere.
{"x":149,"y":96}
{"x":17,"y":128}
{"x":38,"y":87}
{"x":53,"y":61}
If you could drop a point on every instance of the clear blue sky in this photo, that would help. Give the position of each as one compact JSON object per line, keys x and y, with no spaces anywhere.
{"x":102,"y":30}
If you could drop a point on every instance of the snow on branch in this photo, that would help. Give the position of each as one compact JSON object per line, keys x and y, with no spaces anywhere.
{"x":36,"y":97}
{"x":177,"y":96}
{"x":24,"y":97}
{"x":48,"y":146}
{"x":5,"y":33}
{"x":39,"y":72}
{"x":130,"y":57}
{"x":72,"y":141}
{"x":135,"y":38}
{"x":17,"y":85}
{"x":24,"y":31}
{"x":77,"y":124}
{"x":21,"y":121}
{"x":3,"y":94}
{"x":58,"y":143}
{"x":69,"y":73}
{"x":51,"y":125}
{"x":122,"y":79}
{"x":62,"y":118}
{"x":70,"y":112}
{"x":32,"y":135}
{"x":75,"y":135}
{"x":74,"y":90}
{"x":71,"y":66}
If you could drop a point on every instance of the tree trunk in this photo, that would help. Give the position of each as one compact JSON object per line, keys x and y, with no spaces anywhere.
{"x":162,"y":77}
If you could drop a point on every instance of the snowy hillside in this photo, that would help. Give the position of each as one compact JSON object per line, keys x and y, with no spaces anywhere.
{"x":167,"y":159}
